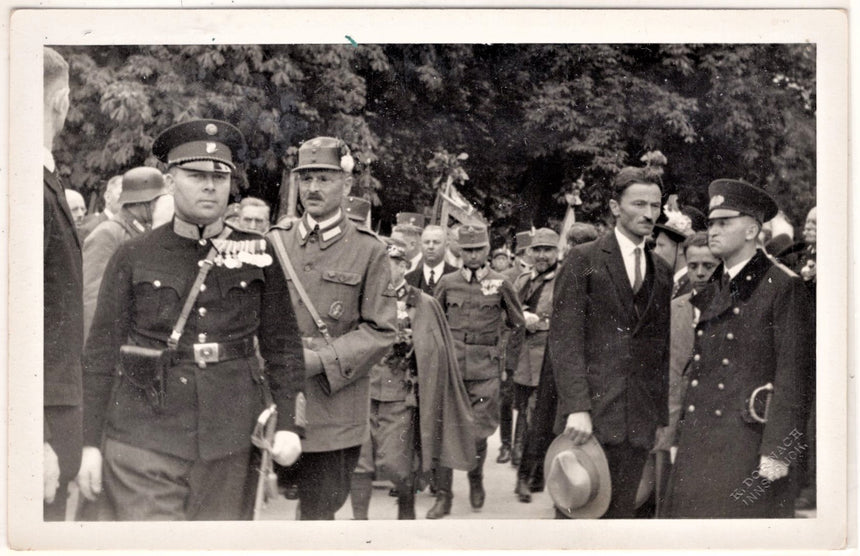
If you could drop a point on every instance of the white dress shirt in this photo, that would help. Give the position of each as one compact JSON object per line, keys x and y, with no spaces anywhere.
{"x":627,"y":248}
{"x":437,"y":272}
{"x":735,"y":270}
{"x":49,"y":160}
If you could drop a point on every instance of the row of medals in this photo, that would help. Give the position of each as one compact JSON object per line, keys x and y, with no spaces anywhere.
{"x":233,"y":254}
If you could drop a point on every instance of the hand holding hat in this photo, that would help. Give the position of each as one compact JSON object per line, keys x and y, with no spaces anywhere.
{"x":578,"y":427}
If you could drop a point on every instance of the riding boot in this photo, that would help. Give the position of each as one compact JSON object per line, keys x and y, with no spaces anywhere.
{"x":405,"y":502}
{"x":444,"y":480}
{"x":360,"y":490}
{"x":519,"y":438}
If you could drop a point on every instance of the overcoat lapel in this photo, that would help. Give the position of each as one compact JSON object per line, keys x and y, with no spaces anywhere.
{"x":55,"y":186}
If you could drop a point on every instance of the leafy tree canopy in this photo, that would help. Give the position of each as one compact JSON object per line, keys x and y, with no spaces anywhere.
{"x":531,"y":119}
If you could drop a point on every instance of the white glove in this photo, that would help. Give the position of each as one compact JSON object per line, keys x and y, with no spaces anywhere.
{"x":286,"y":448}
{"x":51,"y":473}
{"x":578,"y":427}
{"x":772,"y":469}
{"x":531,"y":320}
{"x":89,"y":477}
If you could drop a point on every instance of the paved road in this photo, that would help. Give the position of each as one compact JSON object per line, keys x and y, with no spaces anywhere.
{"x":501,"y":502}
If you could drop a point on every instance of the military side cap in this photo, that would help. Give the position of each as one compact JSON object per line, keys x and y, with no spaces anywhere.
{"x":205,"y":145}
{"x":356,"y":208}
{"x":396,"y":248}
{"x":524,"y":239}
{"x":472,"y":237}
{"x":734,"y":197}
{"x":324,"y":153}
{"x":675,"y":224}
{"x":544,"y":237}
{"x":141,"y":185}
{"x":410,"y":221}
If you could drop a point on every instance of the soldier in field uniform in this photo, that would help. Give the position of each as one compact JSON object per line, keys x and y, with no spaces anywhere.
{"x":482,"y":308}
{"x":345,"y":272}
{"x":168,"y":436}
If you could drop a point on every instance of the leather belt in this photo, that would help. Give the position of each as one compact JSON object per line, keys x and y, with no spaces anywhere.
{"x":215,"y":352}
{"x":473,"y":339}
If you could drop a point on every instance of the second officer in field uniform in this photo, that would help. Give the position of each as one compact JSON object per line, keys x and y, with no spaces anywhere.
{"x":345,"y":272}
{"x":168,"y":437}
{"x":482,"y":308}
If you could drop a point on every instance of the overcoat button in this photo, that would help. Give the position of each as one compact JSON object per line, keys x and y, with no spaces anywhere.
{"x":157,"y":283}
{"x":721,"y":386}
{"x":183,"y":380}
{"x":718,"y":413}
{"x":201,"y":338}
{"x":202,"y":311}
{"x":736,"y":311}
{"x":691,"y":409}
{"x":202,"y":287}
{"x":202,"y":242}
{"x":697,"y":357}
{"x":243,"y":284}
{"x":694,"y":383}
{"x":730,"y":336}
{"x":699,"y":333}
{"x":725,"y":362}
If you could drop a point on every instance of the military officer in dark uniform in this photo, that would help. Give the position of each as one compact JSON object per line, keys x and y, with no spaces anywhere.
{"x":482,"y":308}
{"x":167,"y":437}
{"x":743,"y":419}
{"x":345,"y":271}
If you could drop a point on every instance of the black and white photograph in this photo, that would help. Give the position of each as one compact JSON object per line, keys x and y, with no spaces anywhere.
{"x":491,"y":270}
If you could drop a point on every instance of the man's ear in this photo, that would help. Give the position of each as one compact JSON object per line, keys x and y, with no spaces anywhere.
{"x":347,"y":186}
{"x":614,"y":207}
{"x":169,"y":183}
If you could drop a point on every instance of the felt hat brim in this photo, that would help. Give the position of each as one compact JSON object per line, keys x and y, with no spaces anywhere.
{"x":598,"y":505}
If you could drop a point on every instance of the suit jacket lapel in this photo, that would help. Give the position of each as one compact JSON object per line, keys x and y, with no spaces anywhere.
{"x":656,"y":284}
{"x":54,"y":185}
{"x":617,"y":272}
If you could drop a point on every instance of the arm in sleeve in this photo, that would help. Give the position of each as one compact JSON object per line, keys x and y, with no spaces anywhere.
{"x":516,"y":324}
{"x":98,"y":248}
{"x":281,"y":349}
{"x":110,"y":327}
{"x":349,"y":357}
{"x":794,"y":356}
{"x":566,"y":339}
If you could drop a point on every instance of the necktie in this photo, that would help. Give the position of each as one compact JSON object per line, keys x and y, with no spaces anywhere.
{"x":724,"y":280}
{"x":432,"y":281}
{"x":637,"y":272}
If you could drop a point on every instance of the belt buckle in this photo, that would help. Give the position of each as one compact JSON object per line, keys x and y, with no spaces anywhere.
{"x":205,"y":353}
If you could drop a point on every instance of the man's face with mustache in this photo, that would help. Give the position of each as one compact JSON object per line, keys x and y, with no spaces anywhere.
{"x":637,"y":210}
{"x":322,"y":191}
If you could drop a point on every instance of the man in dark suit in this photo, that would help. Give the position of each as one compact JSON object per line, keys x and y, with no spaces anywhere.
{"x":433,"y":264}
{"x":609,"y":338}
{"x":63,"y":299}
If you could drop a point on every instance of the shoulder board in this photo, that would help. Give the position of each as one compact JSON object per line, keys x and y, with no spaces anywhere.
{"x":371,"y":233}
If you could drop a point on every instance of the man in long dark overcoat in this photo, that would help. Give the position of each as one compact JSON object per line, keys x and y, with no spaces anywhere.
{"x":743,"y":421}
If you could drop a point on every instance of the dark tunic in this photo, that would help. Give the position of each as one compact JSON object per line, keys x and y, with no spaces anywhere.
{"x":209,"y":412}
{"x":757,"y":330}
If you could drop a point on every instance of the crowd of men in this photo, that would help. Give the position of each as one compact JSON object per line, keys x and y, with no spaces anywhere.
{"x":673,"y":349}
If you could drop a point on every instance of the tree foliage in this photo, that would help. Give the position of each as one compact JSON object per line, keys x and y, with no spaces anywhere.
{"x":533,"y":119}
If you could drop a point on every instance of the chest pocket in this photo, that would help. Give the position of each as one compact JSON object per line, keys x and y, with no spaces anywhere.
{"x":489,"y":310}
{"x":158,"y":295}
{"x":241,"y":282}
{"x":340,"y":295}
{"x":455,"y":310}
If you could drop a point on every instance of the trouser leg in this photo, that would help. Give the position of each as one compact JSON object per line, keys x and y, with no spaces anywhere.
{"x":626,"y":463}
{"x":360,"y":492}
{"x":324,"y":481}
{"x":65,"y":424}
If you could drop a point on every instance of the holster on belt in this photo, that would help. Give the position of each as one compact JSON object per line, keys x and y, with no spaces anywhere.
{"x":145,"y":369}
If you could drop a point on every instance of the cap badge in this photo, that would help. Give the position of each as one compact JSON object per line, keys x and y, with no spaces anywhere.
{"x":211,"y":148}
{"x":211,"y":129}
{"x":716,"y":201}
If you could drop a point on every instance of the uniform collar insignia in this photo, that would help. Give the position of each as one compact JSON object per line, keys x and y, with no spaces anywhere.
{"x":331,"y":232}
{"x":191,"y":231}
{"x":480,"y":274}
